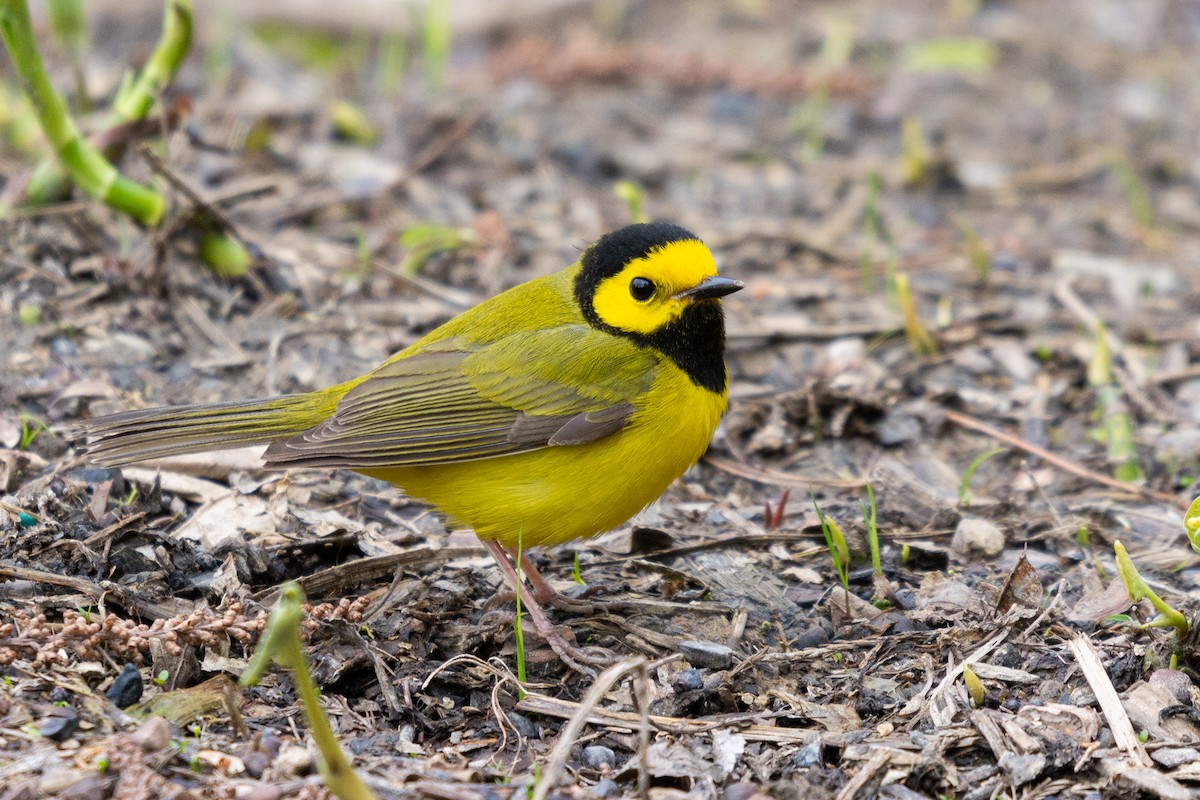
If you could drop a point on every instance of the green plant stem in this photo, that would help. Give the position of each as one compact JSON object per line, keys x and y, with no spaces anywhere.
{"x":134,"y":99}
{"x":281,"y":641}
{"x":87,"y":167}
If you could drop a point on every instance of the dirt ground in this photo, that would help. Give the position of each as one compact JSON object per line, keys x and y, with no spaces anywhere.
{"x":1031,"y":168}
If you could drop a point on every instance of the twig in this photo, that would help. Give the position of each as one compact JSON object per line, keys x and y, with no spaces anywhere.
{"x":1058,"y":461}
{"x":557,"y":763}
{"x":866,"y":773}
{"x":1110,"y":703}
{"x":777,"y":478}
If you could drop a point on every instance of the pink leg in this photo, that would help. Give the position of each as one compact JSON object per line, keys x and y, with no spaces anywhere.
{"x":546,"y":594}
{"x":571,"y":655}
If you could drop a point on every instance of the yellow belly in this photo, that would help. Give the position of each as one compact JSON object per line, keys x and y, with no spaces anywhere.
{"x":556,"y":494}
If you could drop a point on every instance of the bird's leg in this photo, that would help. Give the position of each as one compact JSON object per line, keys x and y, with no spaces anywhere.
{"x":574,"y":657}
{"x":546,"y":594}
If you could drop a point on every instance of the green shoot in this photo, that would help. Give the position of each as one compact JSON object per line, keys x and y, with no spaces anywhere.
{"x":223,"y":254}
{"x":1116,"y":427}
{"x":974,"y":686}
{"x":435,"y":42}
{"x":351,"y":124}
{"x":1191,"y":523}
{"x":29,"y":314}
{"x":137,"y":95}
{"x":981,"y":262}
{"x":427,"y":240}
{"x":576,"y":573}
{"x":280,"y":641}
{"x":839,"y":552}
{"x":964,"y":485}
{"x":1136,"y":586}
{"x":631,"y":194}
{"x":871,"y":523}
{"x":31,"y":429}
{"x":85,"y":165}
{"x":518,"y":631}
{"x":920,"y":342}
{"x":102,"y":763}
{"x":916,"y":156}
{"x":951,"y":54}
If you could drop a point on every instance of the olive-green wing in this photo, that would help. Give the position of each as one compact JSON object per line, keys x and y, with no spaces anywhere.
{"x":458,"y":401}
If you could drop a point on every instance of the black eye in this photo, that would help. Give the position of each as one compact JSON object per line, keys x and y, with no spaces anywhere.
{"x":642,"y":289}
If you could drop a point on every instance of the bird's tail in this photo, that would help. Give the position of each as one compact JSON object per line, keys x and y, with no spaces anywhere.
{"x":174,"y":430}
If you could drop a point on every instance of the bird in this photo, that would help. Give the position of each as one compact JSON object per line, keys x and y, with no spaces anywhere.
{"x":553,"y":411}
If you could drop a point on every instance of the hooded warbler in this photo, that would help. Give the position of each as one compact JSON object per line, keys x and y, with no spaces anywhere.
{"x":556,"y":410}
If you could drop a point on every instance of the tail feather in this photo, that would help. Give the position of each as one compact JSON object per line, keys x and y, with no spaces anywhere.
{"x":175,"y":430}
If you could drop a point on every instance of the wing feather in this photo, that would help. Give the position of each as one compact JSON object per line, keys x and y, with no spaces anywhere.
{"x":464,"y":401}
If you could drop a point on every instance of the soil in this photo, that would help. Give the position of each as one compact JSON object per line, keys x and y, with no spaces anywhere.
{"x":1028,"y":168}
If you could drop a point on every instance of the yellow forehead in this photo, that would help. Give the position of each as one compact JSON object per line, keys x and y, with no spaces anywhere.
{"x":674,"y":266}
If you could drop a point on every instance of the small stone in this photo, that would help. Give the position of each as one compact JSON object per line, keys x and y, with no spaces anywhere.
{"x":1172,"y":757}
{"x":706,"y":654}
{"x":689,"y":680}
{"x":152,"y":735}
{"x":597,"y":756}
{"x":808,"y":756}
{"x":256,"y":763}
{"x":975,"y":536}
{"x":897,"y":427}
{"x":1178,"y":683}
{"x":525,"y":726}
{"x":606,"y":788}
{"x":60,"y":726}
{"x":126,"y":689}
{"x":89,"y":787}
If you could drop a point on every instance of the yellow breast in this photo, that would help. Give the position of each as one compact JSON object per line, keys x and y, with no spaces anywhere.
{"x":556,"y":494}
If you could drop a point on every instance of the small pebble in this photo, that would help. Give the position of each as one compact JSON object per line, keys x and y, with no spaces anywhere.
{"x":1178,"y":683}
{"x":263,"y":792}
{"x":597,"y":756}
{"x":126,"y":689}
{"x":808,"y":756}
{"x":706,"y":654}
{"x":59,"y":728}
{"x":152,"y":735}
{"x":256,"y":763}
{"x":1172,"y":757}
{"x":525,"y":726}
{"x":689,"y":680}
{"x":89,"y":787}
{"x":606,"y":788}
{"x":977,"y":537}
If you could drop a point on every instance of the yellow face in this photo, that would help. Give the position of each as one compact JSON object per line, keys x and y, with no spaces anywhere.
{"x":646,"y":294}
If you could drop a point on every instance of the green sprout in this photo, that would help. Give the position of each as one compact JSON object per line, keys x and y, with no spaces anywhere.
{"x":576,"y":573}
{"x":871,"y":523}
{"x":280,"y":641}
{"x":630,"y":194}
{"x":102,"y":763}
{"x":518,"y":630}
{"x":872,"y":229}
{"x":808,"y":118}
{"x":951,"y":54}
{"x":964,"y":485}
{"x":31,"y":429}
{"x":1191,"y":524}
{"x":351,"y":124}
{"x":977,"y":254}
{"x":916,"y":158}
{"x":1116,"y":427}
{"x":1137,"y":588}
{"x":1136,"y":195}
{"x":435,"y":42}
{"x":86,"y":166}
{"x":426,"y":240}
{"x":974,"y":686}
{"x":920,"y":341}
{"x":839,"y":552}
{"x":161,"y":678}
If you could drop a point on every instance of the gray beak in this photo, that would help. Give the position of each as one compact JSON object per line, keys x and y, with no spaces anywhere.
{"x":711,"y":288}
